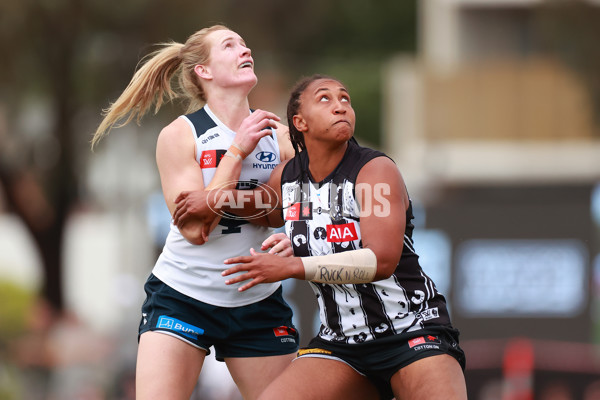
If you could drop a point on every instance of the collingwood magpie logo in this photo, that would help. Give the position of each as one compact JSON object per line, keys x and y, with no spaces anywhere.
{"x":265,"y":157}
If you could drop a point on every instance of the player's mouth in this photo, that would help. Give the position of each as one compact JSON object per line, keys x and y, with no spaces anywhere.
{"x":246,"y":64}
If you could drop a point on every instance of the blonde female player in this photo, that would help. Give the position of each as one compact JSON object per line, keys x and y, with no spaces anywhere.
{"x":189,"y":308}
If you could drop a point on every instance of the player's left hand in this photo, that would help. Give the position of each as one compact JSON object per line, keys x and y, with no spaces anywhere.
{"x":278,"y":244}
{"x":263,"y":268}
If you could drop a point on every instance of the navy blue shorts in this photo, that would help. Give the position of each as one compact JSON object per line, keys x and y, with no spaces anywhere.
{"x":260,"y":329}
{"x":380,"y":359}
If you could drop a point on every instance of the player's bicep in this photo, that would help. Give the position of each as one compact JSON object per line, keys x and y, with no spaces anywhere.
{"x":175,"y":157}
{"x":382,"y":198}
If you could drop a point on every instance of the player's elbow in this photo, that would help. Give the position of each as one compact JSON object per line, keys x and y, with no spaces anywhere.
{"x":386,"y":266}
{"x":196,"y":240}
{"x":193,"y":234}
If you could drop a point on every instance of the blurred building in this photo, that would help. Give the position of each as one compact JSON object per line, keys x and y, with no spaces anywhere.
{"x":499,"y":144}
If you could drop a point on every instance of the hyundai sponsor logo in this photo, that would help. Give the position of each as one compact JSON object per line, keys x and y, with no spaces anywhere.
{"x":266,"y":156}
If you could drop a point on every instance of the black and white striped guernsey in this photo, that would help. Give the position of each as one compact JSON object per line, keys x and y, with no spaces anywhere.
{"x":323,"y":218}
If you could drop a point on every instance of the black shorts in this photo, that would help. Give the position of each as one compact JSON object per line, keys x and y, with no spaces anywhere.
{"x":260,"y":329}
{"x":379,"y":359}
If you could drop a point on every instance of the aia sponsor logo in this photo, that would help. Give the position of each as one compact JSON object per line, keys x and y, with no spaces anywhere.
{"x":341,"y":233}
{"x":299,"y":212}
{"x":211,"y":158}
{"x":421,"y":340}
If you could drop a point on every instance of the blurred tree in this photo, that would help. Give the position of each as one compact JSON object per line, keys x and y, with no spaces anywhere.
{"x":64,"y":60}
{"x":37,"y":168}
{"x":57,"y":71}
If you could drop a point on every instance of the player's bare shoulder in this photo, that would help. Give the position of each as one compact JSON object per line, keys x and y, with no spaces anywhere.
{"x":177,"y":136}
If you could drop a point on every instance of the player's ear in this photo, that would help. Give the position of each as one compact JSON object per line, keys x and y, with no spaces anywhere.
{"x":202,"y":71}
{"x":299,"y":123}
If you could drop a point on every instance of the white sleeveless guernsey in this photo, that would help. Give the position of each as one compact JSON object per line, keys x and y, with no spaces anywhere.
{"x":196,"y":270}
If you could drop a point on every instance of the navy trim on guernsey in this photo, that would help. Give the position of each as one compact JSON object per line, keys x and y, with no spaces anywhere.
{"x":202,"y":120}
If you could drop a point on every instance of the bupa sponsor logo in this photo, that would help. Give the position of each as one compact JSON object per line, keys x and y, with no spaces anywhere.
{"x":341,"y":233}
{"x":175,"y":325}
{"x":211,"y":158}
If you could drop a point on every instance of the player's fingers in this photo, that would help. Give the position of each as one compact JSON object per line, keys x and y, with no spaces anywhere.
{"x":248,"y":285}
{"x":268,"y":242}
{"x":261,"y":114}
{"x":181,"y":196}
{"x":237,"y":279}
{"x":287,"y":252}
{"x":237,"y":260}
{"x":276,"y":249}
{"x":177,"y":214}
{"x":273,"y":240}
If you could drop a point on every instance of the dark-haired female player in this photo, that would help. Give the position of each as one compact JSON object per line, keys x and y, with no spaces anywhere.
{"x":385,"y":329}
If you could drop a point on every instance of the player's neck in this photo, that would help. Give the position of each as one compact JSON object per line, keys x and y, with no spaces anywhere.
{"x":323,"y":160}
{"x":231,"y":110}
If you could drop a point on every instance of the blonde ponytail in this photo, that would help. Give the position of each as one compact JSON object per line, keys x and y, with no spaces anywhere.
{"x":151,"y":84}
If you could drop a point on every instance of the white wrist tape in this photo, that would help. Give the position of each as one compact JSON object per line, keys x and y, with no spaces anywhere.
{"x":354,"y":266}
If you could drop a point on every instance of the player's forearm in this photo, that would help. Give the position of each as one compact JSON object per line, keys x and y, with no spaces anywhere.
{"x":354,"y":266}
{"x":254,"y":205}
{"x":229,"y":170}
